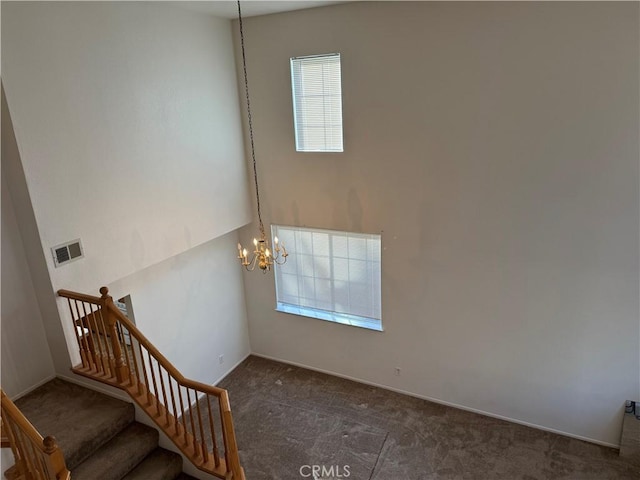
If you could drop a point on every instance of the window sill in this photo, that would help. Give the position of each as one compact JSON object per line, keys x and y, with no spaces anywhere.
{"x":344,"y":319}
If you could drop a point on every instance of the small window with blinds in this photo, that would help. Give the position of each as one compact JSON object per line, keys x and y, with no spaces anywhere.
{"x":317,"y":103}
{"x":330,"y":275}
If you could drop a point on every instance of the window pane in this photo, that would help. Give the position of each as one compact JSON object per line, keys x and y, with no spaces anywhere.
{"x":317,"y":103}
{"x":333,"y":276}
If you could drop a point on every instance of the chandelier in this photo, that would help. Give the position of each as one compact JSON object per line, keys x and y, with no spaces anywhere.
{"x":262,"y":256}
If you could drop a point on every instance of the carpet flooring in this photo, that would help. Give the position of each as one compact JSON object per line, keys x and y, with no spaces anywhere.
{"x":98,"y":435}
{"x":289,"y":419}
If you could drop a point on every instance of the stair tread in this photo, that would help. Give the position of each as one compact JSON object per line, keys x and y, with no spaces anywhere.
{"x":160,"y":464}
{"x":120,"y":455}
{"x":80,"y":419}
{"x":184,"y":476}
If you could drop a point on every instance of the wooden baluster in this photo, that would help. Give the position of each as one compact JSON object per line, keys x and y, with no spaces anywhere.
{"x":193,"y":427}
{"x":87,"y":346}
{"x":216,"y":454}
{"x":83,"y":353}
{"x":122,"y":335}
{"x":102,"y":362}
{"x":144,"y":371}
{"x":29,"y":455}
{"x":16,"y":448}
{"x":7,"y":429}
{"x":173,"y":404}
{"x":95,"y":358}
{"x":184,"y":424}
{"x":108,"y":363}
{"x":122,"y":371}
{"x":164,"y":396}
{"x":205,"y":454}
{"x":26,"y":466}
{"x":135,"y":361}
{"x":103,"y":337}
{"x":153,"y":378}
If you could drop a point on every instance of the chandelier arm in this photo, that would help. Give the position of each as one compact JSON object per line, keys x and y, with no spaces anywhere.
{"x":251,"y":266}
{"x":246,"y":89}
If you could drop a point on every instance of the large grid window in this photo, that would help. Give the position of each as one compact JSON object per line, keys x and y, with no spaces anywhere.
{"x":317,"y":103}
{"x":330,"y":275}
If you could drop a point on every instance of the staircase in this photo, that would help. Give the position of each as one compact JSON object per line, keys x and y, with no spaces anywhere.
{"x":195,"y":416}
{"x":98,"y":434}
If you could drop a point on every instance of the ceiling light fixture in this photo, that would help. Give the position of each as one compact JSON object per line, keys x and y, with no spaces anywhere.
{"x":262,"y":255}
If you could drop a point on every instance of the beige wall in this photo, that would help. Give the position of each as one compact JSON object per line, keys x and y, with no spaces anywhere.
{"x":26,"y":234}
{"x":495,"y":146}
{"x":26,"y":360}
{"x":128,"y":126}
{"x":192,"y":308}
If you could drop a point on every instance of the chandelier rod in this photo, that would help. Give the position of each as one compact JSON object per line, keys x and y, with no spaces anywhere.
{"x":246,"y":89}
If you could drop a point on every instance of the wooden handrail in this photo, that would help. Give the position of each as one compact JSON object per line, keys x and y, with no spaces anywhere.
{"x":114,"y":351}
{"x":173,"y":371}
{"x":16,"y":416}
{"x":4,"y":440}
{"x":35,"y":456}
{"x":79,"y":296}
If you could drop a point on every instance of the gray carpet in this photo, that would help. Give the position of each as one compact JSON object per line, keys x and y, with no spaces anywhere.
{"x":98,"y":435}
{"x":287,"y":417}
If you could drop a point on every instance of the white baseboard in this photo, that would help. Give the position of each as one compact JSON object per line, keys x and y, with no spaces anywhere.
{"x":98,"y":387}
{"x":233,"y":368}
{"x":443,"y":402}
{"x":33,"y":387}
{"x":112,"y":391}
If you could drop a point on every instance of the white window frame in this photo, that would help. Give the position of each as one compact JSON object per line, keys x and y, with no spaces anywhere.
{"x":308,"y":268}
{"x":310,"y":115}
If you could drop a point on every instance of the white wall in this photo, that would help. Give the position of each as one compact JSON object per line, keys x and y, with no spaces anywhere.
{"x":192,"y":308}
{"x":13,"y":178}
{"x":26,"y":360}
{"x":495,"y":146}
{"x":127,"y":120}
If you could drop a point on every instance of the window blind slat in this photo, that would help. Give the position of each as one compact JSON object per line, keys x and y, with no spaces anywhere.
{"x":331,"y":271}
{"x":317,"y":103}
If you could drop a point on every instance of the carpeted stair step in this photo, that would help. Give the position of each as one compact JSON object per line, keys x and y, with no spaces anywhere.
{"x":184,"y":476}
{"x":120,"y":455}
{"x":160,"y":464}
{"x":79,"y":418}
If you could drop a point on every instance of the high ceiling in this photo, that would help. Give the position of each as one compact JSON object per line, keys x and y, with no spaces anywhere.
{"x":229,"y":9}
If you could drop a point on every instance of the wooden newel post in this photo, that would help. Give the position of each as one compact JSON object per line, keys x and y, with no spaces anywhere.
{"x":55,"y":456}
{"x":108,"y":307}
{"x":229,"y":436}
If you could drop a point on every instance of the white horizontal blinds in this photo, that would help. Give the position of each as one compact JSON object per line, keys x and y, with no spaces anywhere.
{"x":317,"y":103}
{"x":330,"y":270}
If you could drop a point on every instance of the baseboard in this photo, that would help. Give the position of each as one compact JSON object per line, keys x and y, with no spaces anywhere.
{"x":233,"y":368}
{"x":115,"y":393}
{"x":443,"y":402}
{"x":33,"y":387}
{"x":201,"y":396}
{"x":98,"y":387}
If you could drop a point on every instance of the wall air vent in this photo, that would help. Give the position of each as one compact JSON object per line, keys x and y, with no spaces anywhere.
{"x":67,"y":252}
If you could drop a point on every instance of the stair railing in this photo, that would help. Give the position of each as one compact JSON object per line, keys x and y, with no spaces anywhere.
{"x":195,"y":416}
{"x":36,"y":458}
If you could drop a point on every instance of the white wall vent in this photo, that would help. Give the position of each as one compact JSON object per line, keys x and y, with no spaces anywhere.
{"x":67,"y":252}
